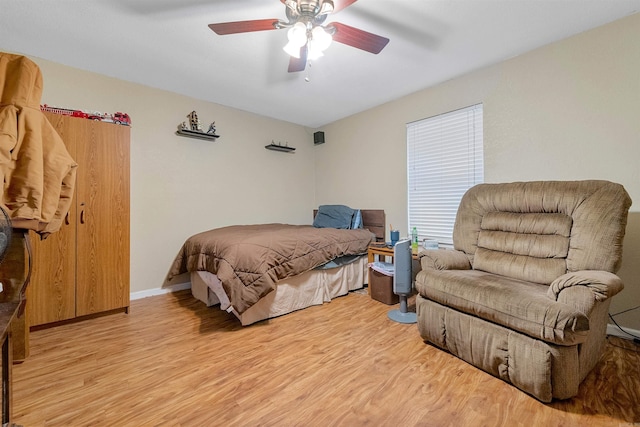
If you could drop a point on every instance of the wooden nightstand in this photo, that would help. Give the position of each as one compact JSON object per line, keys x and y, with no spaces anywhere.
{"x":382,"y":251}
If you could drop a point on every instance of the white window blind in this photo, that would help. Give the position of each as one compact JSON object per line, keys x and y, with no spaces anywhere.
{"x":444,"y":160}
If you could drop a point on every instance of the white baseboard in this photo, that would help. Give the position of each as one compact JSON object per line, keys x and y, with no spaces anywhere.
{"x":615,"y":331}
{"x":159,"y":291}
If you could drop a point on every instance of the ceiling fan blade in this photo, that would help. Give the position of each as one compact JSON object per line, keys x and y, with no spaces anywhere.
{"x":358,"y":38}
{"x":298,"y":64}
{"x":225,"y":28}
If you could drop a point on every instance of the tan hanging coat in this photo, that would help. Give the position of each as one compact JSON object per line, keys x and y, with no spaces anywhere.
{"x":38,"y":172}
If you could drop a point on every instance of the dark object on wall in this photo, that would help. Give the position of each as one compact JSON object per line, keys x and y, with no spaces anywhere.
{"x":318,"y":138}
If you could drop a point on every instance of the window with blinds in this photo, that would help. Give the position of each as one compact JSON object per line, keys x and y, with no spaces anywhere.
{"x":444,"y":160}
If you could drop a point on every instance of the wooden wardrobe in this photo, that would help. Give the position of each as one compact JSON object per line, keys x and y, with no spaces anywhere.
{"x":83,"y":269}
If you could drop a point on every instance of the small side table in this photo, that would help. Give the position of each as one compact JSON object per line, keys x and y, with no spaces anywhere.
{"x":380,"y":251}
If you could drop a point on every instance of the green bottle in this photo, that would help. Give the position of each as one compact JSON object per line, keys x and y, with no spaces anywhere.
{"x":414,"y":241}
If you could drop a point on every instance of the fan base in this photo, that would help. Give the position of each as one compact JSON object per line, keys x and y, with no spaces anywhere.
{"x":402,"y":317}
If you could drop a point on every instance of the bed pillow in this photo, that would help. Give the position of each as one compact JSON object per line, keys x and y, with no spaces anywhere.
{"x":356,"y":222}
{"x":334,"y":216}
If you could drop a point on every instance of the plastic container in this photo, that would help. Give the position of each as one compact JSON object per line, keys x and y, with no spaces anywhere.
{"x":381,"y":288}
{"x":414,"y":240}
{"x":430,"y":244}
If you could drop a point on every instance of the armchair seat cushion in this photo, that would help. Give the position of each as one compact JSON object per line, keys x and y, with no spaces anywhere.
{"x":516,"y":304}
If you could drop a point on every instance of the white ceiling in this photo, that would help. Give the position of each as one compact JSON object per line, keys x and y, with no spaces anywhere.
{"x":166,"y":44}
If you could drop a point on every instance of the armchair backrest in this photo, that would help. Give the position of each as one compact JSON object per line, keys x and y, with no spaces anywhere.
{"x":539,"y":230}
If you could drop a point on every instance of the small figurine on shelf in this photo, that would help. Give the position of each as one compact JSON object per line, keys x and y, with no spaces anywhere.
{"x":212,"y":128}
{"x":195,"y":122}
{"x":193,"y":128}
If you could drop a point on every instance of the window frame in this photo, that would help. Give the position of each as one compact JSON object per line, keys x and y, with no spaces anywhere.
{"x":449,"y":145}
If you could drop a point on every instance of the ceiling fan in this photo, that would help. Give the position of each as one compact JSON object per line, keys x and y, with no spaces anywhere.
{"x":307,"y":35}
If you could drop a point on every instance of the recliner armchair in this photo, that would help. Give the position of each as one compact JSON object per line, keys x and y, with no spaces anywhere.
{"x":526,"y":291}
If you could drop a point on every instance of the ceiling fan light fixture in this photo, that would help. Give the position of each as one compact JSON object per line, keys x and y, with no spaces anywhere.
{"x":297,"y":34}
{"x":307,"y":35}
{"x":292,"y":49}
{"x":314,"y":53}
{"x":320,"y":39}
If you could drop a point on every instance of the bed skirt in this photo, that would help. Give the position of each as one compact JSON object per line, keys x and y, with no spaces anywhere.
{"x":314,"y":287}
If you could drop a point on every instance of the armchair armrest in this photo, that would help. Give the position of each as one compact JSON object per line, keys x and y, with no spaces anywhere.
{"x":602,"y":284}
{"x":443,"y":259}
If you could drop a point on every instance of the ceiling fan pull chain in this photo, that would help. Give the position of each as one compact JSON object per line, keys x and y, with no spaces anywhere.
{"x":307,"y":78}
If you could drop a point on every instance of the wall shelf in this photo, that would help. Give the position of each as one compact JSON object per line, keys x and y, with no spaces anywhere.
{"x":282,"y":148}
{"x":197,"y":134}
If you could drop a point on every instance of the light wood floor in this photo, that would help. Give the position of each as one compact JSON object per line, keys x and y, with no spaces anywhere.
{"x":174,"y":362}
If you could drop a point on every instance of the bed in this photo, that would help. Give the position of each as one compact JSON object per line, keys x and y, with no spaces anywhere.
{"x":263,"y":271}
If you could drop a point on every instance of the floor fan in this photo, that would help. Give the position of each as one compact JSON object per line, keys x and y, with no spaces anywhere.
{"x":402,"y":281}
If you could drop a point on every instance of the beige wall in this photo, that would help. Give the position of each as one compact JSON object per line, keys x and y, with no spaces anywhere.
{"x":569,"y":110}
{"x":181,"y":186}
{"x":566,"y":111}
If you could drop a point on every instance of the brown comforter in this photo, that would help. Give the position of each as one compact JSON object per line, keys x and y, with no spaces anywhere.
{"x":250,"y":259}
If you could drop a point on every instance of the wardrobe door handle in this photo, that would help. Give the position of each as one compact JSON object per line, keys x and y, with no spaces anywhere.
{"x":82,"y":216}
{"x":66,"y":219}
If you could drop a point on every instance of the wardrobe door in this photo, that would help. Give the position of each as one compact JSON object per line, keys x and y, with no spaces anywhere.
{"x":51,"y":294}
{"x":102,"y":201}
